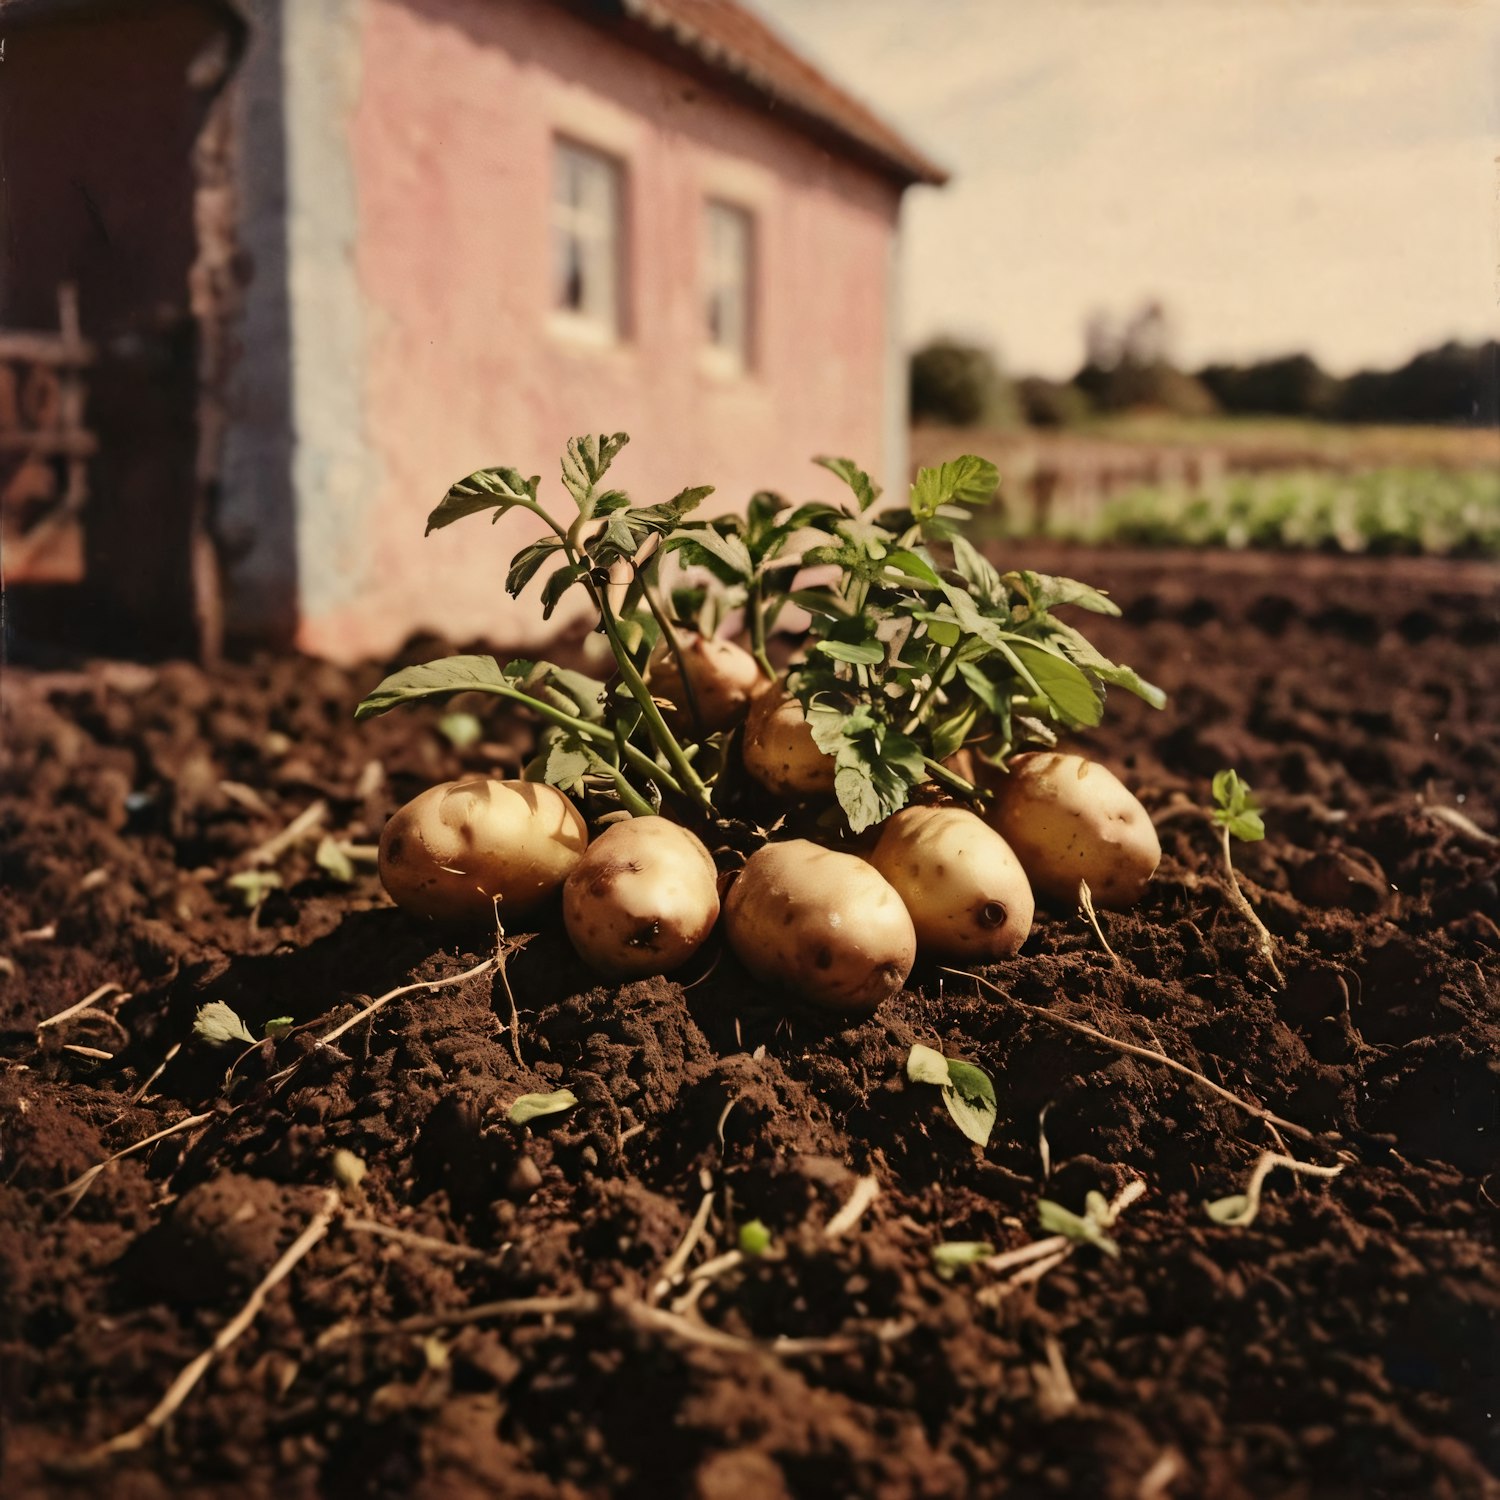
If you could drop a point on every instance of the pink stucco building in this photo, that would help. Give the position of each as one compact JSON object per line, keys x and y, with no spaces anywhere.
{"x":462,"y":230}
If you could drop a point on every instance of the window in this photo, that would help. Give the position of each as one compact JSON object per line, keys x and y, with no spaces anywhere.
{"x":587,"y":239}
{"x":729,"y":243}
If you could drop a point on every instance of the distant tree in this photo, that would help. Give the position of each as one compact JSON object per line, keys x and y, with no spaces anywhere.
{"x":1129,"y":367}
{"x":1052,"y":403}
{"x":962,"y":385}
{"x":1293,"y":385}
{"x":1454,"y":383}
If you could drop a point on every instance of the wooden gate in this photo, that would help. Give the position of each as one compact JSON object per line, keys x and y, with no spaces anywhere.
{"x":45,"y":446}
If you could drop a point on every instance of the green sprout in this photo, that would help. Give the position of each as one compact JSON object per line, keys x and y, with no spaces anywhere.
{"x":1237,"y":816}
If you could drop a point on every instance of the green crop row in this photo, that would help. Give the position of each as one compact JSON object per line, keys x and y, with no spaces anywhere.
{"x":1431,"y":511}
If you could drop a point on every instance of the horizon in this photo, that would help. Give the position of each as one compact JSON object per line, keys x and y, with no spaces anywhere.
{"x":1307,"y":176}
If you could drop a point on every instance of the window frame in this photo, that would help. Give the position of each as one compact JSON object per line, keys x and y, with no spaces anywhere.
{"x":602,"y":230}
{"x":741,"y":358}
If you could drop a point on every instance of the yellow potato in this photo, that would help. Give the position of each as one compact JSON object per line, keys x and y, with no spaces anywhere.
{"x":779,"y":750}
{"x":1070,"y":819}
{"x":723,"y":677}
{"x":823,"y":924}
{"x":451,"y":851}
{"x":968,"y":896}
{"x":642,"y":899}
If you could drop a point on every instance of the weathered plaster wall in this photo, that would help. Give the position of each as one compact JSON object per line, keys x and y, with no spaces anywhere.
{"x":447,"y":154}
{"x":300,"y":473}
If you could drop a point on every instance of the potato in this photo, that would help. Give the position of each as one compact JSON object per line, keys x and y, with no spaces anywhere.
{"x":642,"y":899}
{"x":968,"y":896}
{"x":1071,"y":819}
{"x":779,"y":750}
{"x":450,"y":852}
{"x":826,"y":925}
{"x":724,"y":678}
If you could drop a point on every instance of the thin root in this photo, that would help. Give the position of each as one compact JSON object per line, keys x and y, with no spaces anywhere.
{"x":178,"y":1392}
{"x":1083,"y":1029}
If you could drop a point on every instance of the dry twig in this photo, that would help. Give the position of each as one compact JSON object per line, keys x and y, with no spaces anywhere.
{"x":81,"y":1184}
{"x":1084,"y":1029}
{"x":178,"y":1392}
{"x":88,"y":1002}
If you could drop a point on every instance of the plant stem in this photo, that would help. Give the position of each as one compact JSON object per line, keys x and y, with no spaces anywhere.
{"x":951,"y":779}
{"x":755,"y":610}
{"x":674,"y":643}
{"x":939,"y":677}
{"x":691,"y":784}
{"x":1265,"y":941}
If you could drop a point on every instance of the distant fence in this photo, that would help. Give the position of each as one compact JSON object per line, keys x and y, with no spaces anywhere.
{"x":45,"y":446}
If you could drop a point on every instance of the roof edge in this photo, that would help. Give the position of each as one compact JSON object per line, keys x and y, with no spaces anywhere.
{"x":649,"y":22}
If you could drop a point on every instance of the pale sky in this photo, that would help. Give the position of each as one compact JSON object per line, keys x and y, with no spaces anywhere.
{"x":1283,"y":174}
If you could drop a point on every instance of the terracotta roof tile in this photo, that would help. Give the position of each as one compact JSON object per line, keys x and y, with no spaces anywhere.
{"x":729,"y":40}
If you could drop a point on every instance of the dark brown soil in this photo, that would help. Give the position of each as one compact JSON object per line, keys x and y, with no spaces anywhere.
{"x":1346,"y":1344}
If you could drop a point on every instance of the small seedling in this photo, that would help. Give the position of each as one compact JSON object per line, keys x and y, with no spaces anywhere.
{"x":754,"y":1238}
{"x":348,"y":1169}
{"x":1091,"y":1227}
{"x":253,"y":886}
{"x":967,"y":1090}
{"x":1239,"y":1210}
{"x":276,"y":1028}
{"x":1237,"y":815}
{"x":218,"y":1025}
{"x":533,"y":1106}
{"x":461,"y":730}
{"x":950,"y":1256}
{"x":332,"y":858}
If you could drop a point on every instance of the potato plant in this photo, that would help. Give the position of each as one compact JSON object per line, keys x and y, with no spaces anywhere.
{"x":916,"y":662}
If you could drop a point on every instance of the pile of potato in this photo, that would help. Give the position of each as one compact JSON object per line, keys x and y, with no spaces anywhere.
{"x":841,"y":930}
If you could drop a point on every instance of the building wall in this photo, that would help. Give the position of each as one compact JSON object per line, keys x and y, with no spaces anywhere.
{"x":448,"y":345}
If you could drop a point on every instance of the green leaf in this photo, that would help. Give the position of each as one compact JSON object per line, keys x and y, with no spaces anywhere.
{"x":950,"y":1256}
{"x":857,"y":653}
{"x":976,"y":570}
{"x":988,"y":693}
{"x":527,"y":561}
{"x":253,"y":886}
{"x":218,"y":1025}
{"x":461,"y":730}
{"x":754,"y":1238}
{"x":1060,"y":682}
{"x":866,"y":491}
{"x":967,"y":1090}
{"x":969,"y":480}
{"x":1248,"y":827}
{"x":971,"y":1101}
{"x":909,"y":567}
{"x":943,"y":631}
{"x":585,"y":464}
{"x":498,"y":490}
{"x":558,"y":584}
{"x":1085,"y":654}
{"x":331,"y":858}
{"x":726,"y":557}
{"x":449,"y":674}
{"x":1056,"y":1219}
{"x":1043,"y":591}
{"x":277,"y":1027}
{"x":925,"y":1065}
{"x":533,"y":1106}
{"x":568,"y":762}
{"x":1237,"y":809}
{"x":875,"y":769}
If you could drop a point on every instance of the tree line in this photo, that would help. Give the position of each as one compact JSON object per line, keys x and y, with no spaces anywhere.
{"x":1128,"y":367}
